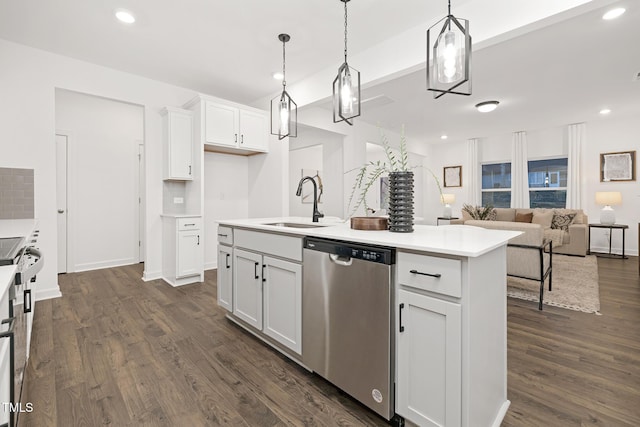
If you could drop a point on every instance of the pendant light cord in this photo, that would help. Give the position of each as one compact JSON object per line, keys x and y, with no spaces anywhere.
{"x":449,"y":8}
{"x":284,"y":74}
{"x":345,"y":32}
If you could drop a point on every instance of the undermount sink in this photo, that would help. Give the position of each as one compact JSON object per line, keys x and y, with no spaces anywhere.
{"x":295,"y":225}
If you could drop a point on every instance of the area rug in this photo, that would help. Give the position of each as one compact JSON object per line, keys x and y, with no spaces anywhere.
{"x":575,"y":285}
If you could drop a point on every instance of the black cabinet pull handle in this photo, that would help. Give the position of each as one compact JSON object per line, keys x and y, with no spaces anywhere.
{"x":401,"y":327}
{"x":189,"y":169}
{"x":198,"y":240}
{"x":27,"y":300}
{"x":242,"y":139}
{"x":235,"y":135}
{"x":190,"y":225}
{"x":438,"y":275}
{"x":227,"y":261}
{"x":222,"y":235}
{"x":264,"y":278}
{"x":255,"y":270}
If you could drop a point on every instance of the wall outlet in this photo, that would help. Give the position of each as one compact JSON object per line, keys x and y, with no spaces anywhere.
{"x":178,"y":200}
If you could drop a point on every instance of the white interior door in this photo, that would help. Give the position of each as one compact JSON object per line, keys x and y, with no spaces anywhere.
{"x":61,"y":200}
{"x":141,"y":198}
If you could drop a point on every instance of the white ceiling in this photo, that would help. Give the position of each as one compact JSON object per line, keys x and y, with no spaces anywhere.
{"x":565,"y":73}
{"x":560,"y":74}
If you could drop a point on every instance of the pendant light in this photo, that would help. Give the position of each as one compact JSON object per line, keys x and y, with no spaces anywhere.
{"x":346,"y":86}
{"x":284,"y":112}
{"x":449,"y":57}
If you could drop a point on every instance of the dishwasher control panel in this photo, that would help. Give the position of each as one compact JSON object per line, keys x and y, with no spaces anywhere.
{"x":377,"y":254}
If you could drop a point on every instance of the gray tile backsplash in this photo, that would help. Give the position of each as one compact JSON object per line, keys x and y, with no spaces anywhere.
{"x":16,"y":193}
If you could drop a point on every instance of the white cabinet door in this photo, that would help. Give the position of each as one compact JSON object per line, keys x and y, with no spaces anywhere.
{"x":180,"y":134}
{"x":253,"y":131}
{"x":247,"y":287}
{"x":221,"y":125}
{"x":189,"y":253}
{"x":225,"y":277}
{"x":283,"y":302}
{"x":429,"y":358}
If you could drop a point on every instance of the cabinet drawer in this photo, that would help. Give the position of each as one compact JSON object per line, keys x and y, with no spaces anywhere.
{"x":225,"y":235}
{"x":189,"y":224}
{"x":441,"y":275}
{"x":273,"y":244}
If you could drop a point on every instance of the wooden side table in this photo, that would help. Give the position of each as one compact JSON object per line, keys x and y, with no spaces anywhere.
{"x":611,"y":227}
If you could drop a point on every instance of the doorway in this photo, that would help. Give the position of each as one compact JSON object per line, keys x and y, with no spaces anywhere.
{"x":100,"y":182}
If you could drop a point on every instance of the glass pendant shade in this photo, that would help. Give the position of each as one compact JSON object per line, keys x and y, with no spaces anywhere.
{"x":449,"y":57}
{"x":346,"y":94}
{"x":284,"y":111}
{"x":284,"y":116}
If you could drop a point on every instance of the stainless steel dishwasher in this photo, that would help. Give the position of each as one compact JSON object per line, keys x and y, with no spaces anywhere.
{"x":347,"y":320}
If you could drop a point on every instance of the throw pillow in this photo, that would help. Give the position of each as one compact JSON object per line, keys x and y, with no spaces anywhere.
{"x":493,"y":214}
{"x":520,"y":217}
{"x":562,"y":221}
{"x":542,"y":218}
{"x":578,"y":217}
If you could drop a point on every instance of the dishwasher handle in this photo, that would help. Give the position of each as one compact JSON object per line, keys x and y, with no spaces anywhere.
{"x":343,"y":261}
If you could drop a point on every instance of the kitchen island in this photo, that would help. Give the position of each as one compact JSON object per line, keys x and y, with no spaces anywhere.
{"x":447,"y":321}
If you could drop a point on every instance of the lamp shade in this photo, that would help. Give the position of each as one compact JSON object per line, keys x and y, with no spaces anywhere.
{"x":608,"y":198}
{"x":448,"y":199}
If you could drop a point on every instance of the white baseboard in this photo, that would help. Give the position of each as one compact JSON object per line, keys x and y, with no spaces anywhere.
{"x":103,"y":264}
{"x":50,"y":293}
{"x":501,"y":413}
{"x":153,"y":275}
{"x":211,"y":265}
{"x":614,"y":250}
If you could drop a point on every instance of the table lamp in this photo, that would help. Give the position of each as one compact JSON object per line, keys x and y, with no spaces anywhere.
{"x":608,"y":198}
{"x":447,"y":200}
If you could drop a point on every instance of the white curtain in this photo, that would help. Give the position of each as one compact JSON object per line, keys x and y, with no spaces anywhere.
{"x":519,"y":171}
{"x":577,"y":143}
{"x":473,"y":170}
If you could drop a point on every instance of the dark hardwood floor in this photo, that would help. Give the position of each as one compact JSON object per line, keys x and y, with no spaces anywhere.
{"x":117,"y":351}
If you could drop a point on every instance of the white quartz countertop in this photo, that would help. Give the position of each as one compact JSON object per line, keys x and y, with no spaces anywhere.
{"x":17,"y":227}
{"x":6,"y":276}
{"x":168,"y":215}
{"x":461,"y":240}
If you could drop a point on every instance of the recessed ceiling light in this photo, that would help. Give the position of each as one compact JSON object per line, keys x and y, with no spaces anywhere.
{"x":125,"y":16}
{"x":278,"y":75}
{"x":485,"y":107}
{"x":444,"y":137}
{"x":605,"y":111}
{"x":614,"y":13}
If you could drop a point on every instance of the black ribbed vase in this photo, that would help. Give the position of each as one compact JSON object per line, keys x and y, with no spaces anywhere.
{"x":401,"y":202}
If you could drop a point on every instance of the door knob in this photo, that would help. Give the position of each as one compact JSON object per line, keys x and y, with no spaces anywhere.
{"x":60,"y":210}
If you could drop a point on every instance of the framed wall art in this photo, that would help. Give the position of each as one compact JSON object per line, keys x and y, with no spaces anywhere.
{"x":453,"y":176}
{"x":619,"y":166}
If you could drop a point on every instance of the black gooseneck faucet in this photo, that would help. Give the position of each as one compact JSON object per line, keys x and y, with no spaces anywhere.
{"x":316,"y":214}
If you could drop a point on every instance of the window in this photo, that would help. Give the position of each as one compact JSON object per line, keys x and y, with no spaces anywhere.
{"x":496,"y":185}
{"x":548,"y":183}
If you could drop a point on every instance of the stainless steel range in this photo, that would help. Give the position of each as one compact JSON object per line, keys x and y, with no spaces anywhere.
{"x":29,"y":260}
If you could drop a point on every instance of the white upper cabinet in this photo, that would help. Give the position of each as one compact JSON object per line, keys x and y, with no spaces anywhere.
{"x":178,"y":144}
{"x":221,"y":125}
{"x":253,"y":131}
{"x":230,"y":128}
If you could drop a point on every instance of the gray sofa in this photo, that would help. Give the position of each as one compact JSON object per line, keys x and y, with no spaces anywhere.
{"x":574,"y":241}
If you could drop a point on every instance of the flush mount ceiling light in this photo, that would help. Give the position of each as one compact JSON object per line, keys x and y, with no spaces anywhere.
{"x":613,"y":13}
{"x":284,"y":112}
{"x":125,"y":16}
{"x":443,"y":137}
{"x":605,"y":111}
{"x":449,"y":57}
{"x":346,"y":86}
{"x":487,"y":106}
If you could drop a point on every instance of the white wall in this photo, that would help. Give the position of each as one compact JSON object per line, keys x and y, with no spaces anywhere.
{"x":317,"y":149}
{"x":606,"y":134}
{"x":103,"y":179}
{"x":28,"y":78}
{"x":305,"y":158}
{"x":226,"y":195}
